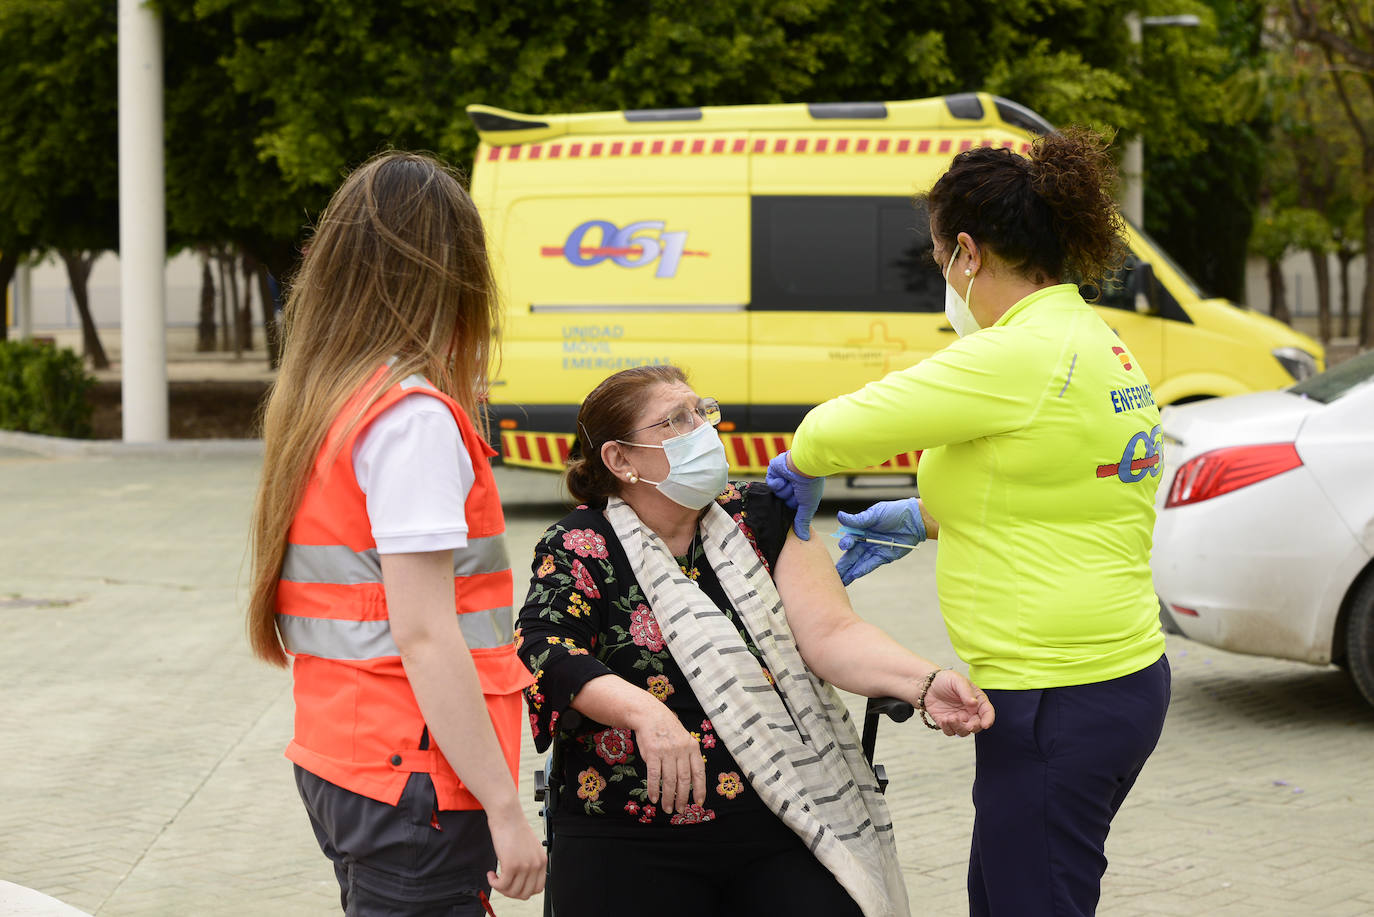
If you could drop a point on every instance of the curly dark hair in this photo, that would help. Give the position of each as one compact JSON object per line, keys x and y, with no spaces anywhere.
{"x":608,"y":413}
{"x":1050,"y":216}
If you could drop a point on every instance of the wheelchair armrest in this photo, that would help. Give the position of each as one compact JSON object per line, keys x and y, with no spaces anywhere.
{"x":570,"y":720}
{"x":899,"y":710}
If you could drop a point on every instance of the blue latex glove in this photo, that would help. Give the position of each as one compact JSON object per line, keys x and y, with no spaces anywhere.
{"x":796,"y":490}
{"x":892,"y":520}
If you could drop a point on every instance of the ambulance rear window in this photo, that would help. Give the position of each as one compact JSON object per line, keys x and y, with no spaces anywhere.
{"x":837,"y":253}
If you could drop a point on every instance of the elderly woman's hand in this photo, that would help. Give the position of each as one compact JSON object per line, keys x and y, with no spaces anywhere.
{"x":671,"y":756}
{"x":956,"y":705}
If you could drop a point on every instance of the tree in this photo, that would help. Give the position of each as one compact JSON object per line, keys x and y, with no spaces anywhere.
{"x":1279,"y":232}
{"x":59,"y":173}
{"x":205,"y":326}
{"x":1312,"y":161}
{"x":1349,"y":245}
{"x":1200,"y":199}
{"x":1344,"y":35}
{"x":14,"y":246}
{"x":221,"y":189}
{"x":338,"y":80}
{"x":270,"y":103}
{"x":1271,"y":241}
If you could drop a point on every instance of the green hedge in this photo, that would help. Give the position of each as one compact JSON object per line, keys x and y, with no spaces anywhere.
{"x":43,"y":390}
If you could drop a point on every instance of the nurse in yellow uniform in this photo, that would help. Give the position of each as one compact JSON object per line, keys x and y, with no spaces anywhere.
{"x":1041,"y":459}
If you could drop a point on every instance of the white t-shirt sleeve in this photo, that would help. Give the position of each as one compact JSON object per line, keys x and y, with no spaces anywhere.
{"x":411,"y":464}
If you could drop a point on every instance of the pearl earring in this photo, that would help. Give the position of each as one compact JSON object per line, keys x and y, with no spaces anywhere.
{"x":632,"y":478}
{"x":968,"y":272}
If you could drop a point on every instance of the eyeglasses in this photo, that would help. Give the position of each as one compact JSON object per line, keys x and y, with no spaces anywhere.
{"x":685,"y":420}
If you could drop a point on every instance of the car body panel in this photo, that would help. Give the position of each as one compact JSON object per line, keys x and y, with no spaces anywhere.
{"x":1336,"y":445}
{"x":1268,"y":567}
{"x":1274,"y":581}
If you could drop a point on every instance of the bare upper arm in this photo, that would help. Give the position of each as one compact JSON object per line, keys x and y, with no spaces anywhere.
{"x":815,"y":600}
{"x":419,"y":594}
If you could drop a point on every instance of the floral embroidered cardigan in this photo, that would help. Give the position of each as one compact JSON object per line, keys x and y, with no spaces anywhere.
{"x":586,"y":616}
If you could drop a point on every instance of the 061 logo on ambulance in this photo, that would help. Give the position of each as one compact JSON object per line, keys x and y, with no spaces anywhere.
{"x":636,"y":245}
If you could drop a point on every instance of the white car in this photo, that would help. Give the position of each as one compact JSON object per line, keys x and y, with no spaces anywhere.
{"x":1266,"y":521}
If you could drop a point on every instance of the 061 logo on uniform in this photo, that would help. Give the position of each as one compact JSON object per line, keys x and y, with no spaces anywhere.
{"x":1133,"y":468}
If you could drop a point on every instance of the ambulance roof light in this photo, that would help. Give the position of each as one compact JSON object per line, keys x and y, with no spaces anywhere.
{"x":663,"y":114}
{"x":1020,"y":116}
{"x":965,"y":105}
{"x":487,"y":119}
{"x":847,"y":110}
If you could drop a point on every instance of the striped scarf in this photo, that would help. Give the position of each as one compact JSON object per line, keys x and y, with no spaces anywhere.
{"x":799,"y":750}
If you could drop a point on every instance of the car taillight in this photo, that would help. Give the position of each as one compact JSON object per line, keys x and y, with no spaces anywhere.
{"x":1221,"y":471}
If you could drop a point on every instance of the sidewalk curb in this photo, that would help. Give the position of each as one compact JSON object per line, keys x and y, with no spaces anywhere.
{"x":19,"y":901}
{"x":61,"y":447}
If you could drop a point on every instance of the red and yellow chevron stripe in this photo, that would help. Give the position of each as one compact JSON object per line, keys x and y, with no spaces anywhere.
{"x":749,"y":453}
{"x":734,"y":146}
{"x":535,"y":450}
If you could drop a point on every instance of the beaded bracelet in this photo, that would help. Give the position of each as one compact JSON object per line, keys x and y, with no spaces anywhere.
{"x":921,"y":699}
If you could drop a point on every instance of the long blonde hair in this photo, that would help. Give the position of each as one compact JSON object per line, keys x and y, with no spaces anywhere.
{"x":397,"y":268}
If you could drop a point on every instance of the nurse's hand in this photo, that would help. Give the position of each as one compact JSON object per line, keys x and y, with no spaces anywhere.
{"x":956,"y":705}
{"x":899,"y":522}
{"x":799,"y":491}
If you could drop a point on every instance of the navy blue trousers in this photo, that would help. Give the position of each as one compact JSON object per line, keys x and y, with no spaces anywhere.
{"x":1052,"y":772}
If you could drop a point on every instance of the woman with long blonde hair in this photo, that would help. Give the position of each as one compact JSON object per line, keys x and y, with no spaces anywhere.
{"x":379,"y":561}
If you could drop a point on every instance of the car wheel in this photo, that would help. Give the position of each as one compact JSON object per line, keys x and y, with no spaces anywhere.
{"x":1359,"y":639}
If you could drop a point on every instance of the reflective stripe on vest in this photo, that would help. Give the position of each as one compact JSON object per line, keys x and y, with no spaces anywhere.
{"x":340,"y":565}
{"x":340,"y":638}
{"x":337,"y":638}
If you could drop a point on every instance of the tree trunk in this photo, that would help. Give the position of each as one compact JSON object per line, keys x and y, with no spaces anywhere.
{"x":231,"y":268}
{"x":1367,"y":312}
{"x":1321,"y":268}
{"x":282,"y":259}
{"x":271,"y":331}
{"x":78,"y":274}
{"x":246,"y":313}
{"x":1278,"y":296}
{"x":226,"y":327}
{"x":9,"y":262}
{"x":1345,"y":256}
{"x":205,"y":330}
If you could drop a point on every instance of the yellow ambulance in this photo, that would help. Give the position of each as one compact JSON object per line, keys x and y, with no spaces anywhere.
{"x":774,"y":253}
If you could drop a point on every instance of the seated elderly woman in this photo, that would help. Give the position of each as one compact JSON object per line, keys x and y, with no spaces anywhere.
{"x":714,"y":769}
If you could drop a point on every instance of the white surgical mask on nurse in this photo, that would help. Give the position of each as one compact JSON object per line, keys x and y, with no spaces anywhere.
{"x":956,"y":307}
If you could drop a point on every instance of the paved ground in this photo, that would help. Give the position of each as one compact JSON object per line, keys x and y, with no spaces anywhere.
{"x":142,"y":746}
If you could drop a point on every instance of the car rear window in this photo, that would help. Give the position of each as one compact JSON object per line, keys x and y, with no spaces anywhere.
{"x":1328,"y":386}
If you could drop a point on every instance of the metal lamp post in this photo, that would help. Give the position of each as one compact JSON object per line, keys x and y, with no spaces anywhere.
{"x":142,"y":225}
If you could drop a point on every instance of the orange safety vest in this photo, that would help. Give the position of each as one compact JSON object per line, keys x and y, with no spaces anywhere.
{"x":357,"y":723}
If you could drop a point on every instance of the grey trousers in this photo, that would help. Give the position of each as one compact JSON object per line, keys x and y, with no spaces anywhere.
{"x":406,"y":860}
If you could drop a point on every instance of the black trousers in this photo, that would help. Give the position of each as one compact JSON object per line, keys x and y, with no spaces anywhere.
{"x":1052,"y":772}
{"x":406,"y":860}
{"x":745,"y":864}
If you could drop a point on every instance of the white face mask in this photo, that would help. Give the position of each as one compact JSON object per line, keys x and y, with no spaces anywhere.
{"x":956,"y":307}
{"x":697,"y":467}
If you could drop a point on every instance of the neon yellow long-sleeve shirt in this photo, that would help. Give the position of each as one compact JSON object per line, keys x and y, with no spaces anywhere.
{"x":1042,"y":457}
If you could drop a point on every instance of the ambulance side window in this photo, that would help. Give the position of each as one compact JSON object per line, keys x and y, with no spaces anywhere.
{"x":838,"y":253}
{"x":1119,"y":291}
{"x":1114,"y":292}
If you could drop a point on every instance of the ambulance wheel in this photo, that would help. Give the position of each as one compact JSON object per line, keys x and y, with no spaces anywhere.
{"x":1359,"y":638}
